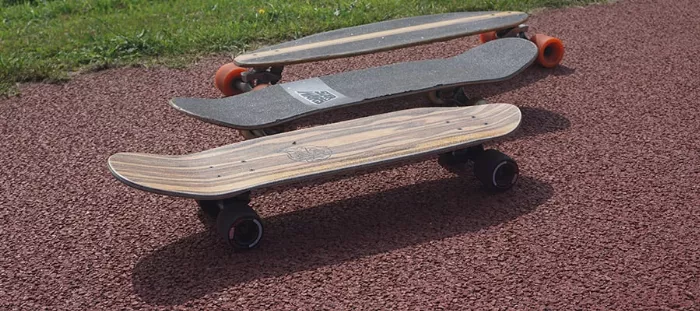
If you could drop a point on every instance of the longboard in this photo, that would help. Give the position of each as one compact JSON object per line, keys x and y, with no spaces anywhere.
{"x":220,"y":178}
{"x":276,"y":104}
{"x":380,"y":36}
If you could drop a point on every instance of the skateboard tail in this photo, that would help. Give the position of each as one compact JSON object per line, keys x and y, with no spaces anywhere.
{"x":169,"y":175}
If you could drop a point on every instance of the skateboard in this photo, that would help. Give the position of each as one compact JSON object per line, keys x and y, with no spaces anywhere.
{"x":221,"y":179}
{"x":257,"y":113}
{"x":265,"y":66}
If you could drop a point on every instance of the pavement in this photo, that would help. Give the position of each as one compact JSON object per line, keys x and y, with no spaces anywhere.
{"x":605,"y":215}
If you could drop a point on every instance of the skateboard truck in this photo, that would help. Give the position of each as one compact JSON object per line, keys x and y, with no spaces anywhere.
{"x":454,"y":97}
{"x":518,"y":31}
{"x":263,"y":75}
{"x":255,"y":133}
{"x":242,"y":86}
{"x":232,"y":80}
{"x":213,"y":207}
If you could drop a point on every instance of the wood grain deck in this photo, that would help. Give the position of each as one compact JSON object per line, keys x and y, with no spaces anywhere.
{"x":314,"y":152}
{"x":381,"y":36}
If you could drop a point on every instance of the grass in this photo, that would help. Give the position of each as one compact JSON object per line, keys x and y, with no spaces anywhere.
{"x":47,"y":40}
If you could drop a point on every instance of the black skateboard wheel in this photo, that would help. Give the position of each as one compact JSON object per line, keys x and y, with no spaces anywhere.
{"x":497,"y":171}
{"x":239,"y":225}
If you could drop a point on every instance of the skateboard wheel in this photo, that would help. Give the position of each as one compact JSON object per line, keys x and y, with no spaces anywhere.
{"x":550,"y":50}
{"x":497,"y":171}
{"x":225,"y":77}
{"x":239,"y":225}
{"x":487,"y":36}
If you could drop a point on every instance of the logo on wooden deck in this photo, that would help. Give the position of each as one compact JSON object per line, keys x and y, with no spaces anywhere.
{"x":308,"y":153}
{"x":317,"y":97}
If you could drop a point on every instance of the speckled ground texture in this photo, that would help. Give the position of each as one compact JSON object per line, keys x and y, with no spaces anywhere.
{"x":605,"y":215}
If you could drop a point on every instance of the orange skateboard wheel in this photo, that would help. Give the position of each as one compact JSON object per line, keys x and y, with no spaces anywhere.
{"x":225,"y":76}
{"x":550,"y":50}
{"x":487,"y":36}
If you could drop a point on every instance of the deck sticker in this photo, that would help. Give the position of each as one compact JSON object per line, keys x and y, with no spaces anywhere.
{"x":317,"y":97}
{"x":308,"y":153}
{"x":316,"y":93}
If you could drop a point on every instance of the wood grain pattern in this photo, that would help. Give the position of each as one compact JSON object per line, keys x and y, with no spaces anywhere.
{"x":313,"y":152}
{"x":370,"y":42}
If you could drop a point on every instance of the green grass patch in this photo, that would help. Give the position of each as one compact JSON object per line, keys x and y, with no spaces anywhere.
{"x":43,"y":40}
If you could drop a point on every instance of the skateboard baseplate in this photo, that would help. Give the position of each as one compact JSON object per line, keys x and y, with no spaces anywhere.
{"x":493,"y":61}
{"x":221,"y":179}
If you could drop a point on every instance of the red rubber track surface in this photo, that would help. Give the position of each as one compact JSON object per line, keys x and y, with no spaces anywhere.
{"x":605,"y":215}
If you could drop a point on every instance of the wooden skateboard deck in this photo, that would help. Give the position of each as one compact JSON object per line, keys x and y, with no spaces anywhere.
{"x":230,"y":170}
{"x":490,"y":62}
{"x":380,"y":36}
